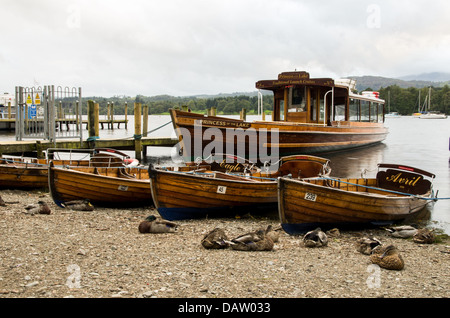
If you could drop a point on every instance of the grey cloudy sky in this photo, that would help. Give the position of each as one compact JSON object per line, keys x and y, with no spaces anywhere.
{"x":187,"y":47}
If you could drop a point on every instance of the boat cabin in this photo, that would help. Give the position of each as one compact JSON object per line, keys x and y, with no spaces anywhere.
{"x":301,"y":99}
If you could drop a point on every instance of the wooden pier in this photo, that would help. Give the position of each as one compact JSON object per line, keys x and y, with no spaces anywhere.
{"x":9,"y":123}
{"x":138,"y":143}
{"x":37,"y":147}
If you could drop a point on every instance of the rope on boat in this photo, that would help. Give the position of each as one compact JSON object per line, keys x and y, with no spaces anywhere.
{"x":148,"y":132}
{"x":386,"y":190}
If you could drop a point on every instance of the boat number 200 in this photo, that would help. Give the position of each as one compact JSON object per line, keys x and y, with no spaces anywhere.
{"x":310,"y":196}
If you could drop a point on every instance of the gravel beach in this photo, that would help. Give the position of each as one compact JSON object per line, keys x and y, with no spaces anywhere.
{"x":101,"y":254}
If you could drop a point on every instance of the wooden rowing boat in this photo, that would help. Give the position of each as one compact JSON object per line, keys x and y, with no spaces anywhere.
{"x":103,"y":186}
{"x":32,"y":173}
{"x":395,"y":194}
{"x":309,"y":116}
{"x":208,"y":192}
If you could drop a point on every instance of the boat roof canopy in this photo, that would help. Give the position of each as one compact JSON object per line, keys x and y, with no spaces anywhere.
{"x":294,"y":78}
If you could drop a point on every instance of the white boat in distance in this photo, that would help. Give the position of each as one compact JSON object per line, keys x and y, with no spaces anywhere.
{"x":433,"y":115}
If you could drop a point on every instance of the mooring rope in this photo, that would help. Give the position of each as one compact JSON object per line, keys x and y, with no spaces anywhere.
{"x":148,"y":132}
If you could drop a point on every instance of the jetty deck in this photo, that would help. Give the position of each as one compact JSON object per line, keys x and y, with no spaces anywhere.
{"x":36,"y":147}
{"x":109,"y":123}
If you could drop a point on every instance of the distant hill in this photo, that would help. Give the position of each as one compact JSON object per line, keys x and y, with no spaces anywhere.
{"x":376,"y":82}
{"x":432,"y":77}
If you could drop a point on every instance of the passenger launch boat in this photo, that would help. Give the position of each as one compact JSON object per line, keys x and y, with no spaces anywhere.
{"x":310,"y":115}
{"x":397,"y":193}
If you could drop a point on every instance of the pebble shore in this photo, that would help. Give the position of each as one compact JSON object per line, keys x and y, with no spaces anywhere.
{"x":101,"y":254}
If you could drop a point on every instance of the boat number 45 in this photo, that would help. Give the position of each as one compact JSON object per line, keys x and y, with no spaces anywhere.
{"x":310,"y":196}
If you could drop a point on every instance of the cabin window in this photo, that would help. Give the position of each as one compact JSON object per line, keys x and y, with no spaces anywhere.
{"x":281,"y":110}
{"x":354,"y":109}
{"x":373,"y":112}
{"x":322,"y":110}
{"x":313,"y":111}
{"x":297,"y":98}
{"x":365,"y":111}
{"x":339,"y":112}
{"x":380,"y":113}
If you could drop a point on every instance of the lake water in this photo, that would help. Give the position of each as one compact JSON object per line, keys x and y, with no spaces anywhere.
{"x":421,"y":143}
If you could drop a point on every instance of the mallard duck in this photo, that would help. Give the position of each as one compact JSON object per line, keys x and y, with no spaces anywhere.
{"x":424,"y":236}
{"x":254,"y":241}
{"x":366,"y":245}
{"x":215,"y":239}
{"x":153,"y":224}
{"x":40,"y":208}
{"x":315,"y":238}
{"x":387,"y":257}
{"x":333,"y":232}
{"x":79,"y":205}
{"x":274,"y":233}
{"x":403,"y":231}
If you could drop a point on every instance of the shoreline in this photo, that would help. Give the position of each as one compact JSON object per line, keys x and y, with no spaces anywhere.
{"x":101,"y":254}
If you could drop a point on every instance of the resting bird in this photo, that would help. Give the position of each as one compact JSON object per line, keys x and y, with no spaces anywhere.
{"x":274,"y":234}
{"x":366,"y":245}
{"x":254,"y":241}
{"x":40,"y":208}
{"x":315,"y":238}
{"x":216,"y":239}
{"x":79,"y":205}
{"x":403,"y":231}
{"x":424,"y":236}
{"x":387,"y":257}
{"x":153,"y":224}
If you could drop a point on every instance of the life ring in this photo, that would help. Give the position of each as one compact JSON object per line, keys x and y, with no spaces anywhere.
{"x":129,"y":162}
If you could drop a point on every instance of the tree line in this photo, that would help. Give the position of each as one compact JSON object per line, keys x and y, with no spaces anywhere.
{"x":161,"y":104}
{"x":405,"y":101}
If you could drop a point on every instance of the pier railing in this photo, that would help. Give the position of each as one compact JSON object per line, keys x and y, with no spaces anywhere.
{"x":42,"y":111}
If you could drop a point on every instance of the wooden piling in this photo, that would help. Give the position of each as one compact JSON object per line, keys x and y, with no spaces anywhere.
{"x":126,"y":115}
{"x":137,"y":131}
{"x":144,"y":120}
{"x":39,"y":151}
{"x":243,"y":114}
{"x":77,"y":114}
{"x":93,"y":120}
{"x":112,"y":116}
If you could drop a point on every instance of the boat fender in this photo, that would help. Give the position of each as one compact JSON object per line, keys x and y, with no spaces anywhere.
{"x":130,"y":162}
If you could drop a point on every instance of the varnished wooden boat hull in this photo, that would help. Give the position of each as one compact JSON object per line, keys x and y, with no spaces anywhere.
{"x":12,"y":177}
{"x":30,"y":175}
{"x":304,"y":206}
{"x":103,"y":190}
{"x":293,"y":138}
{"x":188,"y":196}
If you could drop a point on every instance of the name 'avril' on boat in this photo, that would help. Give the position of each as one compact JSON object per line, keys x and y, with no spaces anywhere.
{"x":309,"y":115}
